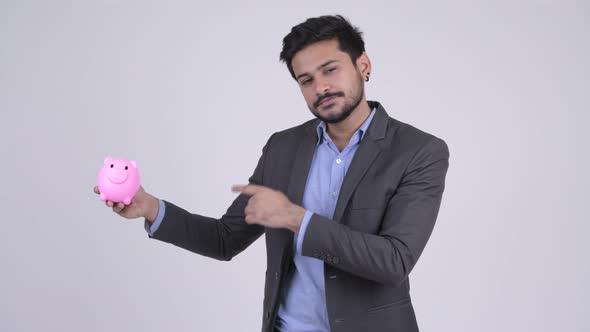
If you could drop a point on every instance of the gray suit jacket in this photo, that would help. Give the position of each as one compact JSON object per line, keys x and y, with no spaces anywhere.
{"x":384,"y":215}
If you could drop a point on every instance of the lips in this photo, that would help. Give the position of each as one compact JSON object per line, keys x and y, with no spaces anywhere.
{"x":327,"y":101}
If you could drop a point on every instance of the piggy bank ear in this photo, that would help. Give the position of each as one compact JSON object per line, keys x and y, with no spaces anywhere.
{"x":134,"y":163}
{"x":107,"y":160}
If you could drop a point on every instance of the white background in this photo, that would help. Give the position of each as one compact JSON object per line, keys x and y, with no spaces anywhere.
{"x":191,"y":90}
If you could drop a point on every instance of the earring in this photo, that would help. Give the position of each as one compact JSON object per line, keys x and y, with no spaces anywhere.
{"x":367,"y":78}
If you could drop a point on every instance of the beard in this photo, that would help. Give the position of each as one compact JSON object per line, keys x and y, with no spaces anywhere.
{"x":349,"y":105}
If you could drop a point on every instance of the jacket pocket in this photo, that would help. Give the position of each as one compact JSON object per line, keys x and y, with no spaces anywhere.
{"x":393,"y":305}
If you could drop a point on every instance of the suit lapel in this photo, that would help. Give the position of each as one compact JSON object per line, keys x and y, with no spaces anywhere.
{"x":366,"y":154}
{"x":364,"y":157}
{"x":302,"y":164}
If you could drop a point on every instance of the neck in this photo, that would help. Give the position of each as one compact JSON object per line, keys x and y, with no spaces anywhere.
{"x":341,"y":132}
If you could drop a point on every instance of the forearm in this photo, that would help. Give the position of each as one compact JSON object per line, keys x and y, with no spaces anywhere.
{"x":374,"y":257}
{"x":220,"y":239}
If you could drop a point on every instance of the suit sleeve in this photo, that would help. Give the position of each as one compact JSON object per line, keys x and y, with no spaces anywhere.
{"x":389,"y":256}
{"x":222,"y":238}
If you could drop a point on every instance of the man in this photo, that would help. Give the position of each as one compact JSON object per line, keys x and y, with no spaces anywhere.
{"x":347,"y":201}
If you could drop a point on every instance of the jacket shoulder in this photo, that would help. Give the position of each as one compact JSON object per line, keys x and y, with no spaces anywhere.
{"x":293,"y":134}
{"x":416,"y":142}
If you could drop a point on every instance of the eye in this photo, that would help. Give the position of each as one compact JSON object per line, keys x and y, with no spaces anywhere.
{"x":126,"y":167}
{"x":306,"y":81}
{"x":112,"y":165}
{"x":329,"y":70}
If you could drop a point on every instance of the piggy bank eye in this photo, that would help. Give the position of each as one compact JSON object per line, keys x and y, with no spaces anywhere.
{"x":126,"y":167}
{"x":112,"y":165}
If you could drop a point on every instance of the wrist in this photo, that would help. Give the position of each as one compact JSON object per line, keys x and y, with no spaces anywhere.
{"x":153,"y":207}
{"x":298,"y":214}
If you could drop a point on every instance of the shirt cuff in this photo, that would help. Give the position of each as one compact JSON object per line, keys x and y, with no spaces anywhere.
{"x":302,"y":229}
{"x":154,"y":227}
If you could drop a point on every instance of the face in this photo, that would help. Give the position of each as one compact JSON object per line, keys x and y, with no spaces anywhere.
{"x":331,"y":83}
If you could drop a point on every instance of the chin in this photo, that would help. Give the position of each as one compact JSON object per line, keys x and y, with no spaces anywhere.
{"x":333,"y":107}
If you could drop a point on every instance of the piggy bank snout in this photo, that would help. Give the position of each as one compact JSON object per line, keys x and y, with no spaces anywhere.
{"x":117,"y":176}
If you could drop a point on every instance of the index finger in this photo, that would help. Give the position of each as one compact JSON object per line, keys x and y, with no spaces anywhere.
{"x":249,"y":189}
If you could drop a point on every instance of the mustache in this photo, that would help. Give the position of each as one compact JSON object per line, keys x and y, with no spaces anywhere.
{"x":327,"y":95}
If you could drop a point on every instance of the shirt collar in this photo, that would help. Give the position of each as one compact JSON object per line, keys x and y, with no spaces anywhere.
{"x":321,"y":128}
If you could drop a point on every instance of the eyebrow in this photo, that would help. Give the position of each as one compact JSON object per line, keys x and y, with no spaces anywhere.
{"x":318,"y":68}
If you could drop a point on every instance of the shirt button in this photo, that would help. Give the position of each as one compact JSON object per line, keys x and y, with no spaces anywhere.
{"x":334,"y":194}
{"x":338,"y":161}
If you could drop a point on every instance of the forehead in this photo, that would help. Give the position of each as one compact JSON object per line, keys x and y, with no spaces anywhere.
{"x":309,"y":58}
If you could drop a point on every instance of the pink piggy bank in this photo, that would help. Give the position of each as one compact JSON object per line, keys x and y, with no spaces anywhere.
{"x":118,"y":180}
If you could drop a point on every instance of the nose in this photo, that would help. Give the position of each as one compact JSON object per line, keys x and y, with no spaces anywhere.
{"x":321,"y":86}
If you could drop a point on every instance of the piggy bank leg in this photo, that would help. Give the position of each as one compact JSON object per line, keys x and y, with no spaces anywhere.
{"x":103,"y":197}
{"x":127,"y":201}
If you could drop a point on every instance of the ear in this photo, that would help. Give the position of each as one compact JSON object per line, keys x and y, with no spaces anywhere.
{"x":133,"y":163}
{"x":107,"y":160}
{"x":363,"y":63}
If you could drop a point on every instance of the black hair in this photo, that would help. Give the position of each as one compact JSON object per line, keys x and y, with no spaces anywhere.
{"x":322,"y":28}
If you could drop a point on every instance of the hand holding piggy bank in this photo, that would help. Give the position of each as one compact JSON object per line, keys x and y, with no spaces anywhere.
{"x":118,"y":180}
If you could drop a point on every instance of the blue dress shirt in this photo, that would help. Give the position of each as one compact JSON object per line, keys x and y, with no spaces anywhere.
{"x":303,"y":299}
